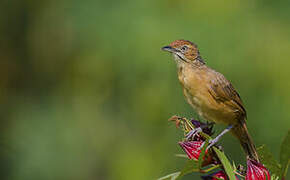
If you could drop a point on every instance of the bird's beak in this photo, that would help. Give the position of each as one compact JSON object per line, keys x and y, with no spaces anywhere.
{"x":174,"y":51}
{"x":169,"y":49}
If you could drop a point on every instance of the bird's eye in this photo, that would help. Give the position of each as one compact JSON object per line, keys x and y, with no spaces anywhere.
{"x":184,"y":48}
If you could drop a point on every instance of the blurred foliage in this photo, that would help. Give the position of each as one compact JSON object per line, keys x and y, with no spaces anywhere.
{"x":86,"y":92}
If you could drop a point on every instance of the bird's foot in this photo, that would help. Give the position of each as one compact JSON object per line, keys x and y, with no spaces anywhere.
{"x":193,"y":132}
{"x":201,"y":127}
{"x":216,"y":139}
{"x":212,"y":142}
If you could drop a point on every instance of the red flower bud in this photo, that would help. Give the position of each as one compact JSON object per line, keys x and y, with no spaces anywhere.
{"x":256,"y":171}
{"x":191,"y":148}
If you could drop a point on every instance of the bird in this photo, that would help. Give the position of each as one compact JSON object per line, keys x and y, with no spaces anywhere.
{"x":210,"y":94}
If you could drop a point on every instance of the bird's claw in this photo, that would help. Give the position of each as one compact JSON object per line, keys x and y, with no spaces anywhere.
{"x":216,"y":139}
{"x":193,"y":132}
{"x":211,"y":143}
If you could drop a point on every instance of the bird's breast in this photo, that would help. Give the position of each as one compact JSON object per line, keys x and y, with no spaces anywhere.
{"x":195,"y":89}
{"x":193,"y":86}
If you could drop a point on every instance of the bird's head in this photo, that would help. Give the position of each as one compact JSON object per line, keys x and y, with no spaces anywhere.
{"x":184,"y":51}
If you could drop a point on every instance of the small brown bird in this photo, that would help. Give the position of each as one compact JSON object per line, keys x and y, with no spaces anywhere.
{"x":210,"y":94}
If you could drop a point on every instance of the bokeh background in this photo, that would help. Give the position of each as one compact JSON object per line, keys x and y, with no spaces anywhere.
{"x":85,"y":91}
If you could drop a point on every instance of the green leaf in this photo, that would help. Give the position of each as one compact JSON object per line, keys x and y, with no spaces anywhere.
{"x":234,"y":166}
{"x":226,"y":164}
{"x":268,"y":160}
{"x":274,"y":177}
{"x":190,"y":166}
{"x":181,"y":155}
{"x":172,"y":176}
{"x":218,"y":178}
{"x":285,"y":154}
{"x":202,"y":153}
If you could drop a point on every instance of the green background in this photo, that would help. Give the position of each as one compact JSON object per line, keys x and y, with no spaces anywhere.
{"x":85,"y":91}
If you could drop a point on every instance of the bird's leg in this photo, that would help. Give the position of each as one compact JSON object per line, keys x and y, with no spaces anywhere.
{"x":193,"y":132}
{"x":216,"y":139}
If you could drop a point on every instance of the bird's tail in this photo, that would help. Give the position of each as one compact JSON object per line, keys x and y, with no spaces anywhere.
{"x":241,"y":132}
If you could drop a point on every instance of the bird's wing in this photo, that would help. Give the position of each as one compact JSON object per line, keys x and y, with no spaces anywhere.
{"x":224,"y":92}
